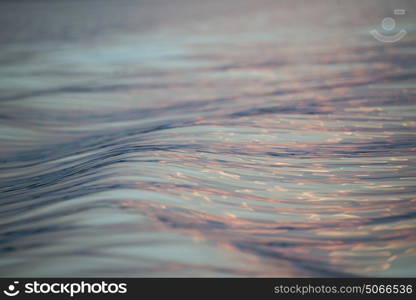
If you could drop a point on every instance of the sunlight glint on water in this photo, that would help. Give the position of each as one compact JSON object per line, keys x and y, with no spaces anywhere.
{"x":214,"y":140}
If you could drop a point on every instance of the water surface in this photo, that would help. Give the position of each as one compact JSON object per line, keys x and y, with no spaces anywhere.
{"x":183,"y":138}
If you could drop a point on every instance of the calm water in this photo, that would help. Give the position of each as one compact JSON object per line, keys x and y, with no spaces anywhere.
{"x":238,"y":138}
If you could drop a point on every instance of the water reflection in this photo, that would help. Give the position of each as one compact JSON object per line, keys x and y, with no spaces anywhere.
{"x":261,"y":150}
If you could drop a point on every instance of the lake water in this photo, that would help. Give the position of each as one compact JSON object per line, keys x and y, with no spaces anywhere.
{"x":184,"y":138}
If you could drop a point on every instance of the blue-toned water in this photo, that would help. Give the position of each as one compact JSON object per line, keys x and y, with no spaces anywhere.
{"x":184,"y":138}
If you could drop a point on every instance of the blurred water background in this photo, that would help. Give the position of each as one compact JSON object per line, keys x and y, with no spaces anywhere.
{"x":206,"y":138}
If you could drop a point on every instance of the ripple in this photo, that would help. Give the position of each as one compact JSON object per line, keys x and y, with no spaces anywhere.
{"x":222,"y":146}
